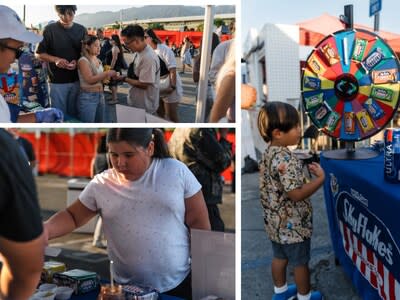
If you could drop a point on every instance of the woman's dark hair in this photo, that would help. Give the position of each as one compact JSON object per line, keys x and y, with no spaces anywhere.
{"x":276,"y":115}
{"x":102,"y":145}
{"x":117,"y":41}
{"x":155,"y":39}
{"x":214,"y":43}
{"x":88,"y":40}
{"x":62,"y":9}
{"x":141,"y":137}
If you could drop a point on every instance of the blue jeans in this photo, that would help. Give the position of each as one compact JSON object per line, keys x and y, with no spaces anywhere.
{"x":91,"y":107}
{"x":64,"y":96}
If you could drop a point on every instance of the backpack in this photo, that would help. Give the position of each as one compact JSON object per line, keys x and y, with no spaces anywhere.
{"x":250,"y":165}
{"x":163,"y":67}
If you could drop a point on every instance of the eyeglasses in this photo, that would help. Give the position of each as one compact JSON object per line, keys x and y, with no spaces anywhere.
{"x":126,"y":43}
{"x":18,"y":51}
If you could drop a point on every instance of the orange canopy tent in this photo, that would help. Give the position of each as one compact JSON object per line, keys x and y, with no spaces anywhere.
{"x":314,"y":30}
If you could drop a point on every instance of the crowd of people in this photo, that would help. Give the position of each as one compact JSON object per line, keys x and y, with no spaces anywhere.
{"x":80,"y":66}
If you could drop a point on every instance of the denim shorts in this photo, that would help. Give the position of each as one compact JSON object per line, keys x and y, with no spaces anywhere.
{"x":91,"y":107}
{"x":297,"y":254}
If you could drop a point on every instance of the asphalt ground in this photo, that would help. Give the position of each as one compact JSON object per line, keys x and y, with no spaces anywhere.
{"x":256,"y":257}
{"x":77,"y":249}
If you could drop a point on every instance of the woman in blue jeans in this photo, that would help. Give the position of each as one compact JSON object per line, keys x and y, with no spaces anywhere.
{"x":91,"y":103}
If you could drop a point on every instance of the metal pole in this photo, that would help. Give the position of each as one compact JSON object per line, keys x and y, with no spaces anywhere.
{"x":376,"y":22}
{"x":24,"y":14}
{"x":205,"y":64}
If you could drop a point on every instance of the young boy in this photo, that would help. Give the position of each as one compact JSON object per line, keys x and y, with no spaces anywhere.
{"x":285,"y":200}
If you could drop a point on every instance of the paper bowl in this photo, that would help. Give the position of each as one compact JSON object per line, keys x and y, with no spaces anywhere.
{"x":64,"y":293}
{"x":44,"y":295}
{"x":47,"y":287}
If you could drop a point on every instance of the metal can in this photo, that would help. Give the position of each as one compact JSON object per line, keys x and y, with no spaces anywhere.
{"x":392,"y":155}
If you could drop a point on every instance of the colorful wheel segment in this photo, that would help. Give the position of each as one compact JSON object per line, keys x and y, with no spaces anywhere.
{"x":350,"y":85}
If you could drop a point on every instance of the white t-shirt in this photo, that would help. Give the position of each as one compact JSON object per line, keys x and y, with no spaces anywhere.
{"x":144,"y":222}
{"x":168,"y":57}
{"x":5,"y":116}
{"x":218,"y":59}
{"x":147,"y":68}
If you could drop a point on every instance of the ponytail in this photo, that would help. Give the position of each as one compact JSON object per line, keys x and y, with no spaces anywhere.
{"x":160,"y":145}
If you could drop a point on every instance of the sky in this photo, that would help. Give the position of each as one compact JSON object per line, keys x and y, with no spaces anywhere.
{"x":255,"y":13}
{"x":43,"y":10}
{"x":36,"y":14}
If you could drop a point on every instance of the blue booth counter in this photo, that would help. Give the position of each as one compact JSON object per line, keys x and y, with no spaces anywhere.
{"x":364,"y":222}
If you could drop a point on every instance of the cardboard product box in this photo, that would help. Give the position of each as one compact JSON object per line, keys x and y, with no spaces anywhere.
{"x":49,"y":269}
{"x":139,"y":292}
{"x":80,"y":280}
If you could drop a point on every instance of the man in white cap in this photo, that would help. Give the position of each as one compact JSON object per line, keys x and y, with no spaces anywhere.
{"x":21,"y":229}
{"x":13,"y":35}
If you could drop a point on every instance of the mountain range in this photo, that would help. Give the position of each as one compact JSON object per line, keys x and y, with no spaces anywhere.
{"x":147,"y":12}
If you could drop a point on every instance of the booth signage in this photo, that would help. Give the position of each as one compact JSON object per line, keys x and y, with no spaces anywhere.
{"x":368,"y":243}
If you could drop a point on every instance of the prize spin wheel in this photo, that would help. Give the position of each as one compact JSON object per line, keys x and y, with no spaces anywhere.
{"x":350,"y":88}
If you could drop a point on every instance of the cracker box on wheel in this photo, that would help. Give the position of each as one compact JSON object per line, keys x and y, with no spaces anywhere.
{"x":392,"y":155}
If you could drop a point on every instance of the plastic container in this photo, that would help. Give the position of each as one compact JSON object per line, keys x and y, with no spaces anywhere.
{"x":47,"y":287}
{"x":43,"y":295}
{"x":64,"y":292}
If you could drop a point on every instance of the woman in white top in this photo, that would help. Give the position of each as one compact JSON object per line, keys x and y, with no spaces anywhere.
{"x":148,"y":202}
{"x":173,"y":96}
{"x":185,"y":54}
{"x":223,"y":109}
{"x":91,"y":103}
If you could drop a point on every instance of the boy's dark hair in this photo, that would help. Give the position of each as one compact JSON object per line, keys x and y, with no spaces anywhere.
{"x":276,"y":115}
{"x":62,"y":9}
{"x":133,"y":31}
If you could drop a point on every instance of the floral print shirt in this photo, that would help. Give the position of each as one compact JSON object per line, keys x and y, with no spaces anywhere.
{"x":286,"y":221}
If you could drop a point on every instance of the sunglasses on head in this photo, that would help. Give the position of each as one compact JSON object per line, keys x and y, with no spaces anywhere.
{"x":18,"y":51}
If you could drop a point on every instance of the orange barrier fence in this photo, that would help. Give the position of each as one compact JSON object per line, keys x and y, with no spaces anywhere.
{"x":70,"y":155}
{"x":174,"y":37}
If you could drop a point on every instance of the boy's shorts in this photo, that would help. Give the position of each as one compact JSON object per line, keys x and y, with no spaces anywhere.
{"x":297,"y":254}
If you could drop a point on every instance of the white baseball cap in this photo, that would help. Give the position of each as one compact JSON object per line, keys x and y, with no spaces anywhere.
{"x":13,"y":28}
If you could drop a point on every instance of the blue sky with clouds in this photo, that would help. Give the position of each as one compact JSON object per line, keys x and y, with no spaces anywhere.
{"x":255,"y":13}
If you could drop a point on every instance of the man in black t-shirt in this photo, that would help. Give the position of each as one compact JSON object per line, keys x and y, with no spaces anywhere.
{"x":207,"y":156}
{"x":105,"y":46}
{"x":21,"y":230}
{"x":61,"y":47}
{"x":25,"y":146}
